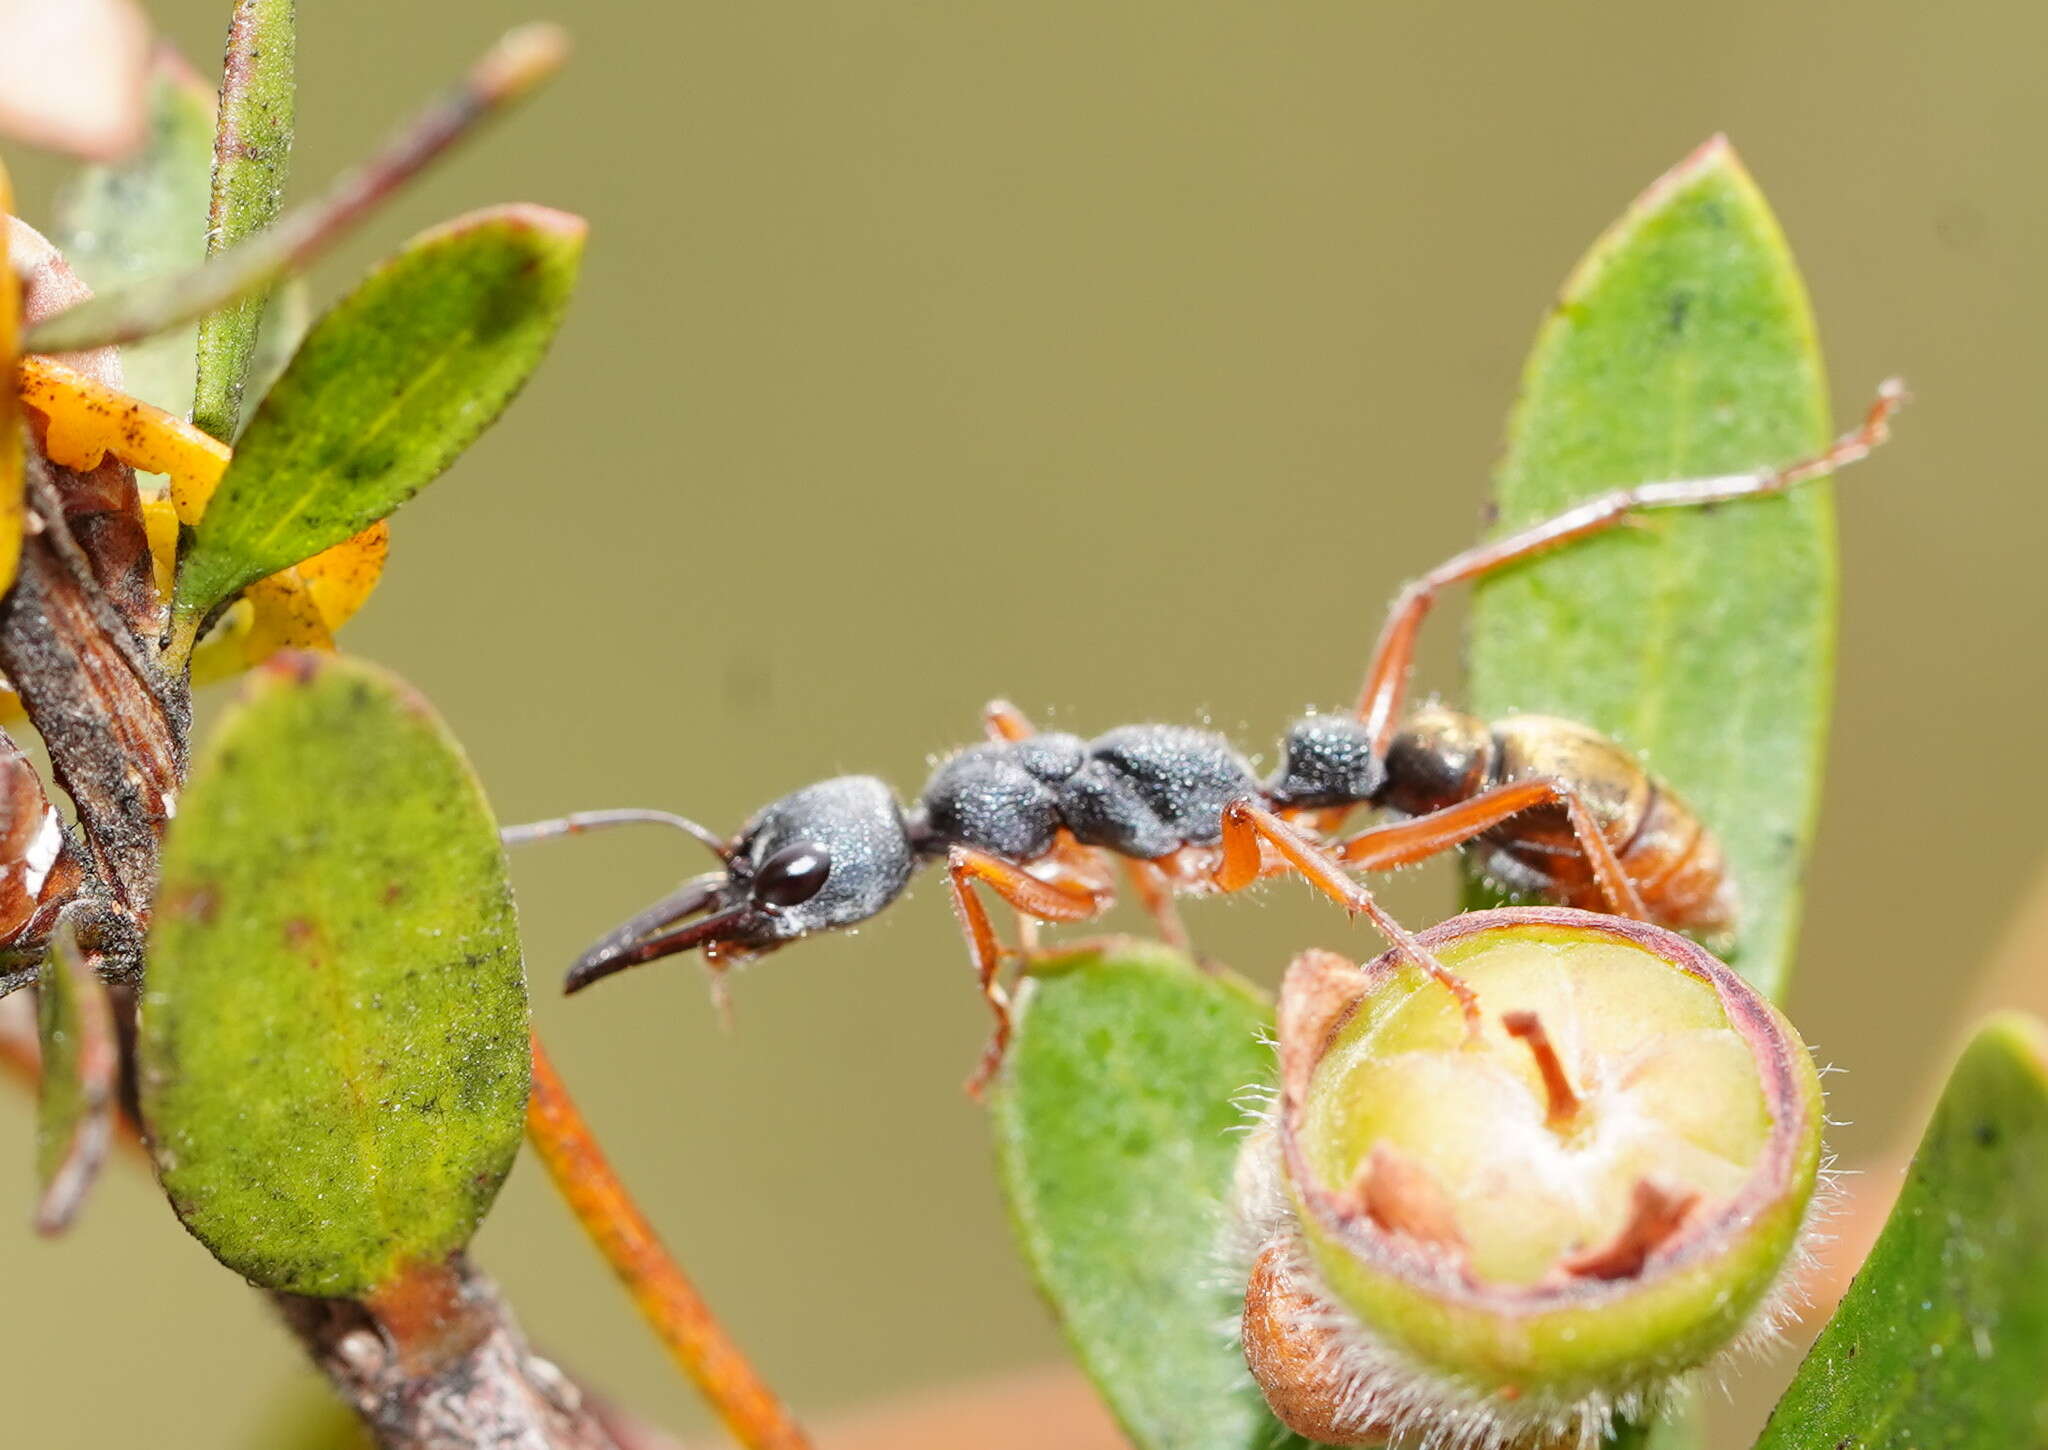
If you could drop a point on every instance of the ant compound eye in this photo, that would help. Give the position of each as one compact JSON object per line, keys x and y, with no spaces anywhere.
{"x":792,"y":875}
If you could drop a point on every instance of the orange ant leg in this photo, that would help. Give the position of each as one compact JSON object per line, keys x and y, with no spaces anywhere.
{"x":1004,"y":722}
{"x":1248,"y":827}
{"x":1404,"y":843}
{"x":1155,"y":893}
{"x":1046,"y":900}
{"x":1071,"y":865}
{"x":1386,"y":683}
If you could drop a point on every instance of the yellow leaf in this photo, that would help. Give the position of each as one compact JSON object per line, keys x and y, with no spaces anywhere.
{"x":85,"y":420}
{"x":160,"y":522}
{"x":10,"y":436}
{"x":297,"y":608}
{"x":341,"y":578}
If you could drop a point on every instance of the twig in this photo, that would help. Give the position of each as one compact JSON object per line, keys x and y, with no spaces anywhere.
{"x":508,"y":72}
{"x":490,"y":1388}
{"x":114,"y":725}
{"x":78,"y":1030}
{"x":22,"y":1060}
{"x":660,"y":1289}
{"x":480,"y":1384}
{"x":252,"y":151}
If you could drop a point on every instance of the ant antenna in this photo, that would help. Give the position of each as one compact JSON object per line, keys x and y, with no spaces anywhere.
{"x":581,"y":821}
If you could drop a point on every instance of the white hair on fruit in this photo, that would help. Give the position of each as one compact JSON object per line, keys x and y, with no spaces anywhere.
{"x":1374,"y":1382}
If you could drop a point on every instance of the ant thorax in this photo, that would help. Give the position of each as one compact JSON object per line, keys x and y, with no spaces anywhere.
{"x":1142,"y":791}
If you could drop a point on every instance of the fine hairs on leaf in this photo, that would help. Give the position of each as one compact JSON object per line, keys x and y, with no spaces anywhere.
{"x":335,"y":911}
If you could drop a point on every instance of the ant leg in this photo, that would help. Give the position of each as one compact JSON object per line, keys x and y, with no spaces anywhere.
{"x":1380,"y":700}
{"x":1403,"y":843}
{"x":1046,"y":900}
{"x":1005,"y":722}
{"x":1248,"y":827}
{"x":1155,"y":894}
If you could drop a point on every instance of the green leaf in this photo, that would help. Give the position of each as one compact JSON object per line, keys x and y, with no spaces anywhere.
{"x":80,"y":1064}
{"x":1942,"y":1339}
{"x":1114,"y":1121}
{"x":251,"y":158}
{"x":386,"y":390}
{"x":1702,"y":640}
{"x":334,"y":1037}
{"x":145,"y":217}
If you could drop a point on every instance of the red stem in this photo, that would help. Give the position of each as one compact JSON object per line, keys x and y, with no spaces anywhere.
{"x":660,"y":1289}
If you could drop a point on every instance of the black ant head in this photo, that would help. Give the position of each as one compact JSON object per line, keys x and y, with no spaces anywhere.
{"x":829,"y":855}
{"x":1329,"y":762}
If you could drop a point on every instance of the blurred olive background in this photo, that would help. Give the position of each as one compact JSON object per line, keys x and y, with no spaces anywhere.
{"x":931,"y":352}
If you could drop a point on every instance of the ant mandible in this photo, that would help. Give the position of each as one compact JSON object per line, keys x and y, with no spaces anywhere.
{"x":1040,"y":819}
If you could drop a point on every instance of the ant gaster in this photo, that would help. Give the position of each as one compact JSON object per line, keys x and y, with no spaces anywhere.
{"x":1040,"y":819}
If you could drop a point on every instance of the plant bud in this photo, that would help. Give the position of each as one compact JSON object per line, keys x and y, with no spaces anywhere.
{"x":1506,"y":1238}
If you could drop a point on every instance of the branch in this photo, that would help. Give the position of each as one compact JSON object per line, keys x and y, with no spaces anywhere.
{"x":660,"y":1289}
{"x":508,"y":72}
{"x":113,"y":723}
{"x":476,"y":1382}
{"x":455,"y":1378}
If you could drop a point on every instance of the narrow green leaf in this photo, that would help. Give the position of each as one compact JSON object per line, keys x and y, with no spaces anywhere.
{"x":1114,"y":1122}
{"x":251,"y":158}
{"x":334,"y":1040}
{"x":1703,"y":641}
{"x":386,"y":390}
{"x":144,"y":217}
{"x":1943,"y":1338}
{"x":80,"y":1062}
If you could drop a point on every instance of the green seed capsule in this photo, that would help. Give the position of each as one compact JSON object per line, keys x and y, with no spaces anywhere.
{"x":1504,"y":1238}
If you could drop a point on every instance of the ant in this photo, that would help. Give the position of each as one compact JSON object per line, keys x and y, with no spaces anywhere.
{"x":1558,"y":810}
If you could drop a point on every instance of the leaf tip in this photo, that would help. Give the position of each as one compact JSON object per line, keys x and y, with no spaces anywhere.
{"x":522,"y":59}
{"x":568,"y":226}
{"x":547,"y":224}
{"x":2019,"y":1034}
{"x":1715,"y":154}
